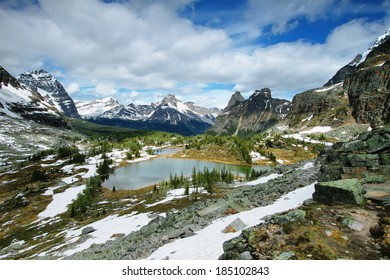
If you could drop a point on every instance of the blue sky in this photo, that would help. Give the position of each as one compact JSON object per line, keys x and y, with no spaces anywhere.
{"x":199,"y":50}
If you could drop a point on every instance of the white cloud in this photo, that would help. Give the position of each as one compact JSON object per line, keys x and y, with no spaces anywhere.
{"x":105,"y":89}
{"x":145,"y":45}
{"x":281,"y":14}
{"x":73,"y":88}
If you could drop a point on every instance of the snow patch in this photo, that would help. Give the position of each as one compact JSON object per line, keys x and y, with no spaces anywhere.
{"x":60,"y":202}
{"x":207,"y":243}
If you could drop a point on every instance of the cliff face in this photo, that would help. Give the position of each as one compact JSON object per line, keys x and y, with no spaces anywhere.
{"x":369,"y":88}
{"x":324,"y":106}
{"x":255,"y":114}
{"x":51,"y":90}
{"x":19,"y":102}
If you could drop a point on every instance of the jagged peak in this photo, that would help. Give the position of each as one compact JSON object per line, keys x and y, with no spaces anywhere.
{"x":380,"y":40}
{"x":170,"y":99}
{"x":264,"y":92}
{"x":235,"y":98}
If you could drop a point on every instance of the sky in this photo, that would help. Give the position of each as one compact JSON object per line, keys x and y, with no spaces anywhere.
{"x":200,"y":50}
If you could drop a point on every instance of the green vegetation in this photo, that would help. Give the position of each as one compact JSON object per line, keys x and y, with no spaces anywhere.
{"x":84,"y":200}
{"x":205,"y":179}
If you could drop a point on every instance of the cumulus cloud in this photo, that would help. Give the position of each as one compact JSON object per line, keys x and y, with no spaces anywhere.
{"x":73,"y":88}
{"x":146,"y":45}
{"x":281,"y":14}
{"x":105,"y":89}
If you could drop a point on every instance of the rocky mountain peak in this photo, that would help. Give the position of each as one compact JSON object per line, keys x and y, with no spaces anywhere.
{"x":236,"y":98}
{"x":51,"y":89}
{"x":257,"y":113}
{"x":170,"y":99}
{"x":263,"y":93}
{"x":6,"y":78}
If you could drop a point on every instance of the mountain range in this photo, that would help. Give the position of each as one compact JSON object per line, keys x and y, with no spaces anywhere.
{"x":170,"y":115}
{"x":360,"y":89}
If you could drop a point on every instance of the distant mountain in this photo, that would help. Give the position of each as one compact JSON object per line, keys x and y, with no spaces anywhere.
{"x":255,"y":114}
{"x":170,"y":115}
{"x":51,"y":89}
{"x":19,"y":102}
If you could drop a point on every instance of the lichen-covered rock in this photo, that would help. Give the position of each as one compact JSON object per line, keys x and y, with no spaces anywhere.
{"x":291,"y":216}
{"x":348,"y":191}
{"x":369,"y":153}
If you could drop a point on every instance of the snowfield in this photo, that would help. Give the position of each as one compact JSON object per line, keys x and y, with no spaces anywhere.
{"x":207,"y":243}
{"x":105,"y":229}
{"x":60,"y":201}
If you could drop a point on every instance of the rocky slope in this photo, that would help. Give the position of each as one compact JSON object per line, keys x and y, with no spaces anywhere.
{"x":368,"y":87}
{"x":328,"y":106}
{"x":186,"y":221}
{"x":170,"y":115}
{"x":348,"y":219}
{"x":359,"y":89}
{"x":255,"y":114}
{"x":51,"y":89}
{"x":17,"y":101}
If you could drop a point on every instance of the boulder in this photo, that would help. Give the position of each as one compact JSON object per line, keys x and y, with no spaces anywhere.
{"x":347,"y":191}
{"x":87,"y":230}
{"x":291,"y":216}
{"x":246,"y":256}
{"x":285,"y":256}
{"x":235,"y":226}
{"x":352,"y":224}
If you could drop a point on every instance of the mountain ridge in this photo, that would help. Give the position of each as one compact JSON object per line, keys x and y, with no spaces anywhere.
{"x":170,"y":114}
{"x":51,"y":89}
{"x":255,"y":114}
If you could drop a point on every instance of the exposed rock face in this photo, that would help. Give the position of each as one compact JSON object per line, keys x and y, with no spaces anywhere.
{"x":344,"y":72}
{"x":369,"y":153}
{"x":359,"y":89}
{"x":324,"y":106}
{"x":19,"y":102}
{"x":369,"y":95}
{"x":258,"y":113}
{"x":368,"y":86}
{"x":51,"y":89}
{"x":236,"y":98}
{"x":348,"y":191}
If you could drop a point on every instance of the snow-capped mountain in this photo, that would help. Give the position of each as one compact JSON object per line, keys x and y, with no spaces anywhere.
{"x":51,"y":89}
{"x":18,"y":101}
{"x":170,"y":114}
{"x":350,"y":68}
{"x":173,"y":110}
{"x":97,"y":108}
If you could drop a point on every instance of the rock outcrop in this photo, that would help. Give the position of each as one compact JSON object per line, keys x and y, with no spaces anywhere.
{"x":369,"y":153}
{"x":368,"y":87}
{"x":348,"y":191}
{"x":324,"y":106}
{"x":255,"y":114}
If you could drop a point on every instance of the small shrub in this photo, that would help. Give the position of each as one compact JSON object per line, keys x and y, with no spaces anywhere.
{"x":377,"y":231}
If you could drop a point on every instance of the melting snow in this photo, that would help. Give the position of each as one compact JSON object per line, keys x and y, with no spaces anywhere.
{"x":60,"y":202}
{"x":317,"y":129}
{"x":105,"y":229}
{"x":207,"y":243}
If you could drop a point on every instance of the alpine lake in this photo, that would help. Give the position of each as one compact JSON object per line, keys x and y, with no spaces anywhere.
{"x":146,"y":173}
